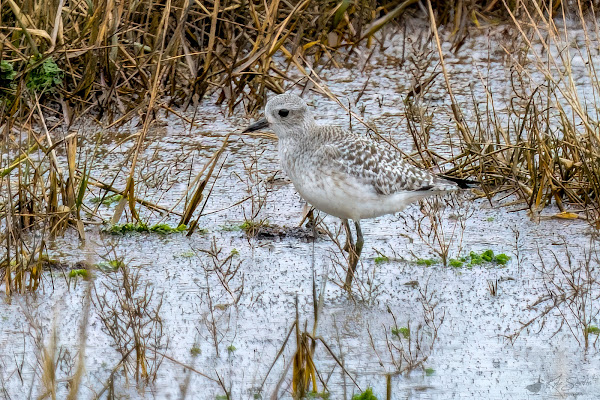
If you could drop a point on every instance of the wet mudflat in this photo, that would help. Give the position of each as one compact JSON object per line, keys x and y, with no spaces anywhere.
{"x":221,"y":302}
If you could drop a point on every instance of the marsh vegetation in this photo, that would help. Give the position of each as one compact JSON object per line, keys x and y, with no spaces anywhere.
{"x":150,"y":250}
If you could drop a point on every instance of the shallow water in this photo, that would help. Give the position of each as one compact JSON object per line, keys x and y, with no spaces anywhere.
{"x":471,"y":357}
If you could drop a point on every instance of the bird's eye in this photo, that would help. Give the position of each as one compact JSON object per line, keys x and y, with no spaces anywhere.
{"x":284,"y":112}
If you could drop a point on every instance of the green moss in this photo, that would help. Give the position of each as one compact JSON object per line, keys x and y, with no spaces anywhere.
{"x":381,"y":259}
{"x":188,"y":254}
{"x":234,"y":252}
{"x":454,"y":263}
{"x":366,"y":395}
{"x":74,"y":273}
{"x":403,"y":331}
{"x":429,"y":371}
{"x":426,"y":261}
{"x":231,"y":348}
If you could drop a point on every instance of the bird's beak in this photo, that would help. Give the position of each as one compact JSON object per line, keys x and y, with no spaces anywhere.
{"x":260,"y":124}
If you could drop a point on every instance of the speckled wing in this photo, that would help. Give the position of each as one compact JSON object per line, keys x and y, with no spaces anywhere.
{"x":373,"y":164}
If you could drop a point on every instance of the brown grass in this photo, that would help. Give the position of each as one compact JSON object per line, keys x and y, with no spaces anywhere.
{"x":123,"y":58}
{"x":547,"y":152}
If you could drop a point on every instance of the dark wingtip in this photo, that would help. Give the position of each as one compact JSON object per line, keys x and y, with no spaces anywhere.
{"x":462,"y":183}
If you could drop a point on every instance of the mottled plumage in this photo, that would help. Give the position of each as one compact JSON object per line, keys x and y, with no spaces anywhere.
{"x":376,"y":165}
{"x":341,"y":173}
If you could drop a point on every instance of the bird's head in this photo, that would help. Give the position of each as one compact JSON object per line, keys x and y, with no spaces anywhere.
{"x":286,"y":114}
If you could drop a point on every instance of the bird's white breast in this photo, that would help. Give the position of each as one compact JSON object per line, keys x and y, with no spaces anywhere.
{"x":337,"y":193}
{"x":350,"y":199}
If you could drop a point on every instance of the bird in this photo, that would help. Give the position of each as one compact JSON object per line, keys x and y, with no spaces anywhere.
{"x":345,"y":174}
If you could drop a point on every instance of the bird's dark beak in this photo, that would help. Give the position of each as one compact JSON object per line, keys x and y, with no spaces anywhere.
{"x":260,"y":124}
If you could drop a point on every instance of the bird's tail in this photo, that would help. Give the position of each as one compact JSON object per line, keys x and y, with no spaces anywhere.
{"x":462,"y":183}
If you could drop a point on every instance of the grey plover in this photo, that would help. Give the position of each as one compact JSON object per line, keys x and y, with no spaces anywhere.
{"x":344,"y":174}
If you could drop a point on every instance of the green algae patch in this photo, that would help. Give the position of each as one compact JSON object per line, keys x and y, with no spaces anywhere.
{"x":381,"y":259}
{"x":428,"y":262}
{"x":140,"y":227}
{"x":474,"y":258}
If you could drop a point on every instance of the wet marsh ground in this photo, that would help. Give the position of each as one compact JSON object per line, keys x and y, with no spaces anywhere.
{"x":207,"y":314}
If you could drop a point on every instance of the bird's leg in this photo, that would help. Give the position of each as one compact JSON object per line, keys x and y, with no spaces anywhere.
{"x":349,"y":240}
{"x":359,"y":238}
{"x":354,"y":256}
